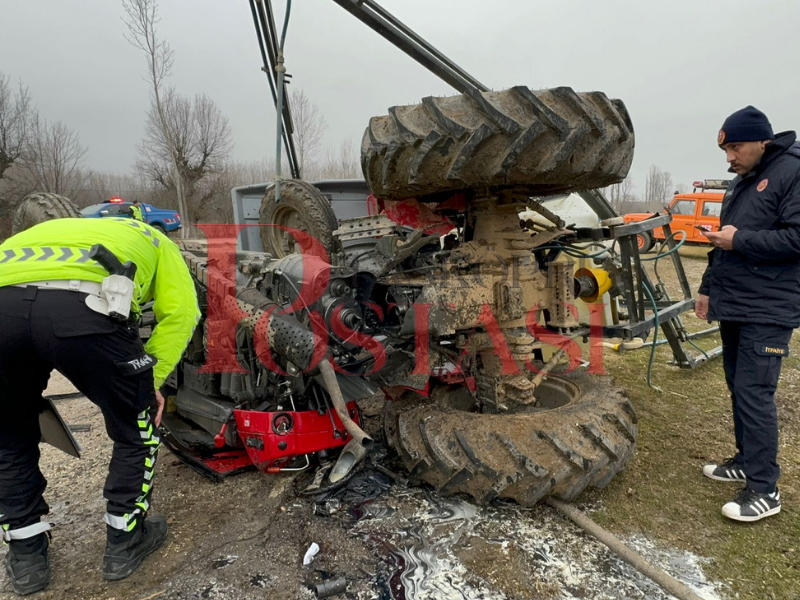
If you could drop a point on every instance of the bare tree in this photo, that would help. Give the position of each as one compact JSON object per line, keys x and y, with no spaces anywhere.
{"x":53,"y":158}
{"x":236,"y":173}
{"x":309,"y":129}
{"x":16,"y":114}
{"x":213,"y":192}
{"x":99,"y":186}
{"x":658,"y":186}
{"x":199,"y":144}
{"x":141,"y":18}
{"x":342,"y":163}
{"x":622,"y":192}
{"x":211,"y":139}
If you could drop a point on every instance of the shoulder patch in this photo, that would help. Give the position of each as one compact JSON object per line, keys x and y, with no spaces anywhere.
{"x":762,"y":185}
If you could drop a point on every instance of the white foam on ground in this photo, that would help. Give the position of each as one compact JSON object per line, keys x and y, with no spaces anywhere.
{"x":423,"y":534}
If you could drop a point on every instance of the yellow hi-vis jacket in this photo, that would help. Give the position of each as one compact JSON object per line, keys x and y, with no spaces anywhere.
{"x":58,"y":250}
{"x":136,"y":212}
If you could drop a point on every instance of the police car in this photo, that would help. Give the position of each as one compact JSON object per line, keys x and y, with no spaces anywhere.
{"x":160,"y":218}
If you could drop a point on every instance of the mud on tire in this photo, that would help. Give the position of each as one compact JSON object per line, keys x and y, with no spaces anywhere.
{"x":524,"y":457}
{"x":303,"y":207}
{"x":40,"y":207}
{"x":538,"y":142}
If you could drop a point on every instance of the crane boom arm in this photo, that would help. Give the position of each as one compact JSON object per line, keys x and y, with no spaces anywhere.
{"x":376,"y":18}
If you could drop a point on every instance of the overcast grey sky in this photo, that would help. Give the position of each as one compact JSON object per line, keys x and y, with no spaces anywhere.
{"x":680,"y":66}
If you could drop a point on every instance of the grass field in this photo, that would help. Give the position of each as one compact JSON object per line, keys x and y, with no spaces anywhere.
{"x":663,"y":494}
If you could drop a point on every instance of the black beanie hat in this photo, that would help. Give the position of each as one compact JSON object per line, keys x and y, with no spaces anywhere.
{"x":746,"y":125}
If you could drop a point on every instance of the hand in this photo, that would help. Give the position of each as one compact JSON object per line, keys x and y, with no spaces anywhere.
{"x":722,"y":238}
{"x":160,"y":404}
{"x":701,"y":307}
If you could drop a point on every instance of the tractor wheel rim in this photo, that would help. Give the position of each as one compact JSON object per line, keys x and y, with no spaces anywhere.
{"x":552,"y":393}
{"x":282,"y":240}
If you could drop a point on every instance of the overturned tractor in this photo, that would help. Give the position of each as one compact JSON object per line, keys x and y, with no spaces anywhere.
{"x":442,"y":304}
{"x":464,"y":325}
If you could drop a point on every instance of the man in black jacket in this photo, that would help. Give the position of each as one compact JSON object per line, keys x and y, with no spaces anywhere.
{"x":752,"y":287}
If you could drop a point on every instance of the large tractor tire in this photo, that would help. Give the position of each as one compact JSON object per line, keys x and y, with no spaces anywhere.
{"x":524,"y":456}
{"x":536,"y":142}
{"x":40,"y":207}
{"x":302,"y":207}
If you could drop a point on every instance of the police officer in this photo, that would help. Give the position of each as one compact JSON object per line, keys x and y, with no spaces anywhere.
{"x":136,"y":211}
{"x":54,"y":314}
{"x":752,"y":287}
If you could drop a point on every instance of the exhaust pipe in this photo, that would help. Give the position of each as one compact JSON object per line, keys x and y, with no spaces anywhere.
{"x":358,"y":434}
{"x":351,"y":455}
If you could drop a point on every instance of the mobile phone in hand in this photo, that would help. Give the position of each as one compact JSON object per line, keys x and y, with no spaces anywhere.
{"x":704,"y":227}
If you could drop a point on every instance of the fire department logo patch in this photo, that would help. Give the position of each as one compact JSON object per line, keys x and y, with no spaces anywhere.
{"x":762,"y":185}
{"x":720,"y":137}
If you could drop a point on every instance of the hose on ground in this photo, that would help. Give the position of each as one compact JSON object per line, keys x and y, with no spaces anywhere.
{"x":666,"y":581}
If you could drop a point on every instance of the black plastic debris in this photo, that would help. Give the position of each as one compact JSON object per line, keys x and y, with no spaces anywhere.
{"x":314,"y":482}
{"x":366,"y":481}
{"x":368,"y":484}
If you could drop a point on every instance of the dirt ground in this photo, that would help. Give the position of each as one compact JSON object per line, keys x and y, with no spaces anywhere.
{"x":685,"y":425}
{"x":245,"y":538}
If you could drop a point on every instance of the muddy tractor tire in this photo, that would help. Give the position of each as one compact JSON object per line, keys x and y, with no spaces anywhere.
{"x":536,"y":142}
{"x":524,"y":456}
{"x":40,"y":207}
{"x":302,"y":207}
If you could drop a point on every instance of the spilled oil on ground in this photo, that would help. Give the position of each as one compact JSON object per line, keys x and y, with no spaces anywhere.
{"x":435,"y":548}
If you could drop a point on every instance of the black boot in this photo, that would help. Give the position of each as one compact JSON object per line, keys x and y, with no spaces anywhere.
{"x":126,"y":551}
{"x":27,"y":565}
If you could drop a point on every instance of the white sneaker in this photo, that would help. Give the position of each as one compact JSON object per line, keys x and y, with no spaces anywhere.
{"x":753,"y":506}
{"x":727,"y":471}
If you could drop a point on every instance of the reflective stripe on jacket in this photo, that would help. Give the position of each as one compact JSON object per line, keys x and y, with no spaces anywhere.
{"x":59,"y":249}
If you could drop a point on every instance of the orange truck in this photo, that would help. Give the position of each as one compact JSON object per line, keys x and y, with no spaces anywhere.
{"x":690,"y":212}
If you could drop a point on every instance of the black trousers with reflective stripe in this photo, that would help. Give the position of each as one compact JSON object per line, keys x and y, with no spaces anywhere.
{"x":42,"y":330}
{"x":752,"y":362}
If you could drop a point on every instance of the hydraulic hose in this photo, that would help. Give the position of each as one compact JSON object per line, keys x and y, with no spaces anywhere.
{"x":573,"y":252}
{"x":655,"y":260}
{"x":655,"y":337}
{"x":659,"y":255}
